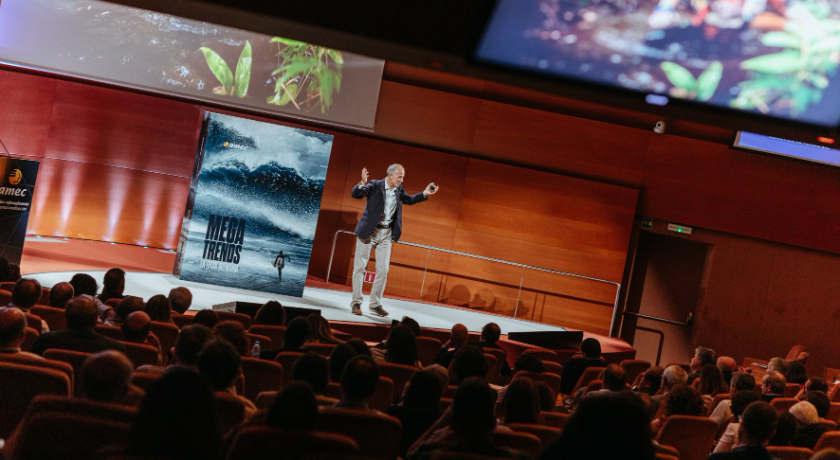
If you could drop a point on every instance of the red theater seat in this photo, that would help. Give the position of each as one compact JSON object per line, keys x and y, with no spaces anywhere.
{"x":398,"y":373}
{"x":76,"y":359}
{"x":634,"y":367}
{"x":266,"y":443}
{"x":541,"y":354}
{"x":20,"y":384}
{"x":233,"y":316}
{"x":525,"y":442}
{"x":691,"y":436}
{"x":427,"y":349}
{"x":167,"y":334}
{"x":261,"y":375}
{"x":323,"y":349}
{"x":287,"y":360}
{"x":275,"y":333}
{"x":53,"y":316}
{"x":377,"y":435}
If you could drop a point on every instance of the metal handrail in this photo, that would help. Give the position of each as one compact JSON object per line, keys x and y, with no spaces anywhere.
{"x":491,"y":259}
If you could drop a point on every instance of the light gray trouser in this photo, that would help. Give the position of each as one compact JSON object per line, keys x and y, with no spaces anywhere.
{"x":380,"y":240}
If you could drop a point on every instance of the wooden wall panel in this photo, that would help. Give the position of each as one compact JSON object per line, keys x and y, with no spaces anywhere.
{"x":25,"y":110}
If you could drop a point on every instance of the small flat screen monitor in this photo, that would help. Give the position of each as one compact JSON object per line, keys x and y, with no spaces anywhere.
{"x":787,"y":148}
{"x":774,"y":58}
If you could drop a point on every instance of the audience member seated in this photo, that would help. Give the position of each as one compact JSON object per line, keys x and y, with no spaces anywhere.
{"x":81,"y":314}
{"x":741,"y":381}
{"x":796,"y":373}
{"x":271,"y":313}
{"x":813,"y":384}
{"x":220,"y":364}
{"x":312,"y":369}
{"x":527,"y":363}
{"x":85,"y":284}
{"x":339,"y":358}
{"x":25,"y":295}
{"x":521,"y":403}
{"x":702,"y":357}
{"x":458,"y":337}
{"x":60,"y":295}
{"x":465,"y":428}
{"x":127,"y":305}
{"x":400,"y":348}
{"x":757,"y":425}
{"x":358,"y":383}
{"x":548,"y":399}
{"x":614,"y":379}
{"x":235,"y":334}
{"x":740,"y":400}
{"x":673,"y":377}
{"x":159,"y":309}
{"x":191,"y":339}
{"x":321,"y":331}
{"x":773,"y":386}
{"x":682,"y":400}
{"x":180,"y":298}
{"x":295,"y":337}
{"x":711,"y":383}
{"x":490,"y":334}
{"x":137,"y":329}
{"x":468,"y":362}
{"x":113,"y":285}
{"x":419,"y":409}
{"x":786,"y":427}
{"x":820,"y":401}
{"x":295,"y":408}
{"x":207,"y":318}
{"x":727,"y":366}
{"x":590,"y":350}
{"x":614,"y":426}
{"x":105,"y":378}
{"x":809,"y":429}
{"x":14,"y":273}
{"x":360,"y":346}
{"x":777,"y":365}
{"x":651,"y":381}
{"x":177,"y":420}
{"x":412,"y":324}
{"x":13,"y":332}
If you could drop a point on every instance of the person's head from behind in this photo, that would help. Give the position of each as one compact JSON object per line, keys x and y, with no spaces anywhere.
{"x":615,"y":378}
{"x":472,"y":410}
{"x":458,"y":336}
{"x":786,"y":430}
{"x":60,"y":294}
{"x":159,"y":309}
{"x":796,"y":373}
{"x":673,"y":377}
{"x":128,"y":305}
{"x":614,"y":425}
{"x":491,"y":332}
{"x":105,"y":376}
{"x":297,"y":333}
{"x":12,"y":327}
{"x":272,"y":313}
{"x":423,"y":391}
{"x":177,"y":419}
{"x":548,"y":398}
{"x":528,"y":363}
{"x":401,"y":346}
{"x":777,"y":365}
{"x":359,"y":380}
{"x":758,"y":423}
{"x":311,"y":368}
{"x":81,"y":313}
{"x":469,"y":361}
{"x":220,"y":364}
{"x":234,"y":333}
{"x":295,"y":408}
{"x":805,"y":413}
{"x":651,"y":381}
{"x":741,"y":381}
{"x":84,"y":284}
{"x":189,"y":343}
{"x":684,"y":400}
{"x":180,"y":298}
{"x":26,"y":293}
{"x":702,"y":357}
{"x":711,"y":380}
{"x":741,"y":399}
{"x":321,"y":330}
{"x":590,"y":348}
{"x":411,"y":324}
{"x":207,"y":318}
{"x":816,"y":384}
{"x":820,"y":401}
{"x":113,"y":283}
{"x":521,"y":403}
{"x":773,"y":383}
{"x":136,"y":327}
{"x":359,"y":346}
{"x":727,"y":366}
{"x":339,"y":357}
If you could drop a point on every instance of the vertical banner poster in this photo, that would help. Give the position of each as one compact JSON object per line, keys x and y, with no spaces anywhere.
{"x":16,"y":187}
{"x":253,"y":205}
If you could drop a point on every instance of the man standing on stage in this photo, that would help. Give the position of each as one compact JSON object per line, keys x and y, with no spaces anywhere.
{"x":381,"y":223}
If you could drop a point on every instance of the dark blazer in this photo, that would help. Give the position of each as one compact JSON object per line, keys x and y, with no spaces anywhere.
{"x":69,"y":339}
{"x":374,"y":190}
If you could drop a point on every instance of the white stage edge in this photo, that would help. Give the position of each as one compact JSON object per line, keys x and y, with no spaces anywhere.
{"x":334,"y":304}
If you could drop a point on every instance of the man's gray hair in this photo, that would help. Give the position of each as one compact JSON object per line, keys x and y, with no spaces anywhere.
{"x":674,"y":376}
{"x":393,"y":168}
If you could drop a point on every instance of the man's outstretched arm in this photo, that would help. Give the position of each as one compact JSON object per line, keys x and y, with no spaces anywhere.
{"x":418,"y":197}
{"x":362,"y":188}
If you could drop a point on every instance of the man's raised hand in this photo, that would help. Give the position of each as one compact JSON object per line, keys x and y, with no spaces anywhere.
{"x":364,"y":177}
{"x":431,"y":189}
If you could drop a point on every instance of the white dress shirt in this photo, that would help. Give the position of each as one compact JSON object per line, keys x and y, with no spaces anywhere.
{"x":390,"y":205}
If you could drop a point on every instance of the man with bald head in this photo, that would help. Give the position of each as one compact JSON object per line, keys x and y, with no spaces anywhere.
{"x":105,"y":378}
{"x":25,"y":295}
{"x":458,"y":337}
{"x":381,"y":223}
{"x":13,"y":332}
{"x":137,"y":328}
{"x":60,"y":294}
{"x":80,"y":335}
{"x":728,"y":366}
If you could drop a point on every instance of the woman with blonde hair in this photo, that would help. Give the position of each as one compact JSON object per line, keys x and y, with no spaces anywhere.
{"x":321,"y":331}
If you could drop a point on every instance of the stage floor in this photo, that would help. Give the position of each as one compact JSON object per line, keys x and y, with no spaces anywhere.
{"x":52,"y":260}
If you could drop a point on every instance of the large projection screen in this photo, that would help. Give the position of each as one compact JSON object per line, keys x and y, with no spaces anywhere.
{"x":161,"y":53}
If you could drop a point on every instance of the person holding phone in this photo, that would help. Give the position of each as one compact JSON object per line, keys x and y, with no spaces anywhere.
{"x":381,"y":223}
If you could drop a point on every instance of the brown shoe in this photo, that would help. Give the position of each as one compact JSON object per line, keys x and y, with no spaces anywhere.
{"x":356,"y":309}
{"x":379,"y":311}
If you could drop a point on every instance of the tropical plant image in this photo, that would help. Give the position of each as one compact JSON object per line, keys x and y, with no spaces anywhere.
{"x":307,"y":76}
{"x":232,"y":84}
{"x":687,"y":87}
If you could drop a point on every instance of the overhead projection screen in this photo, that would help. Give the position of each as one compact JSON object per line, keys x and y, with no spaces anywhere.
{"x":166,"y":54}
